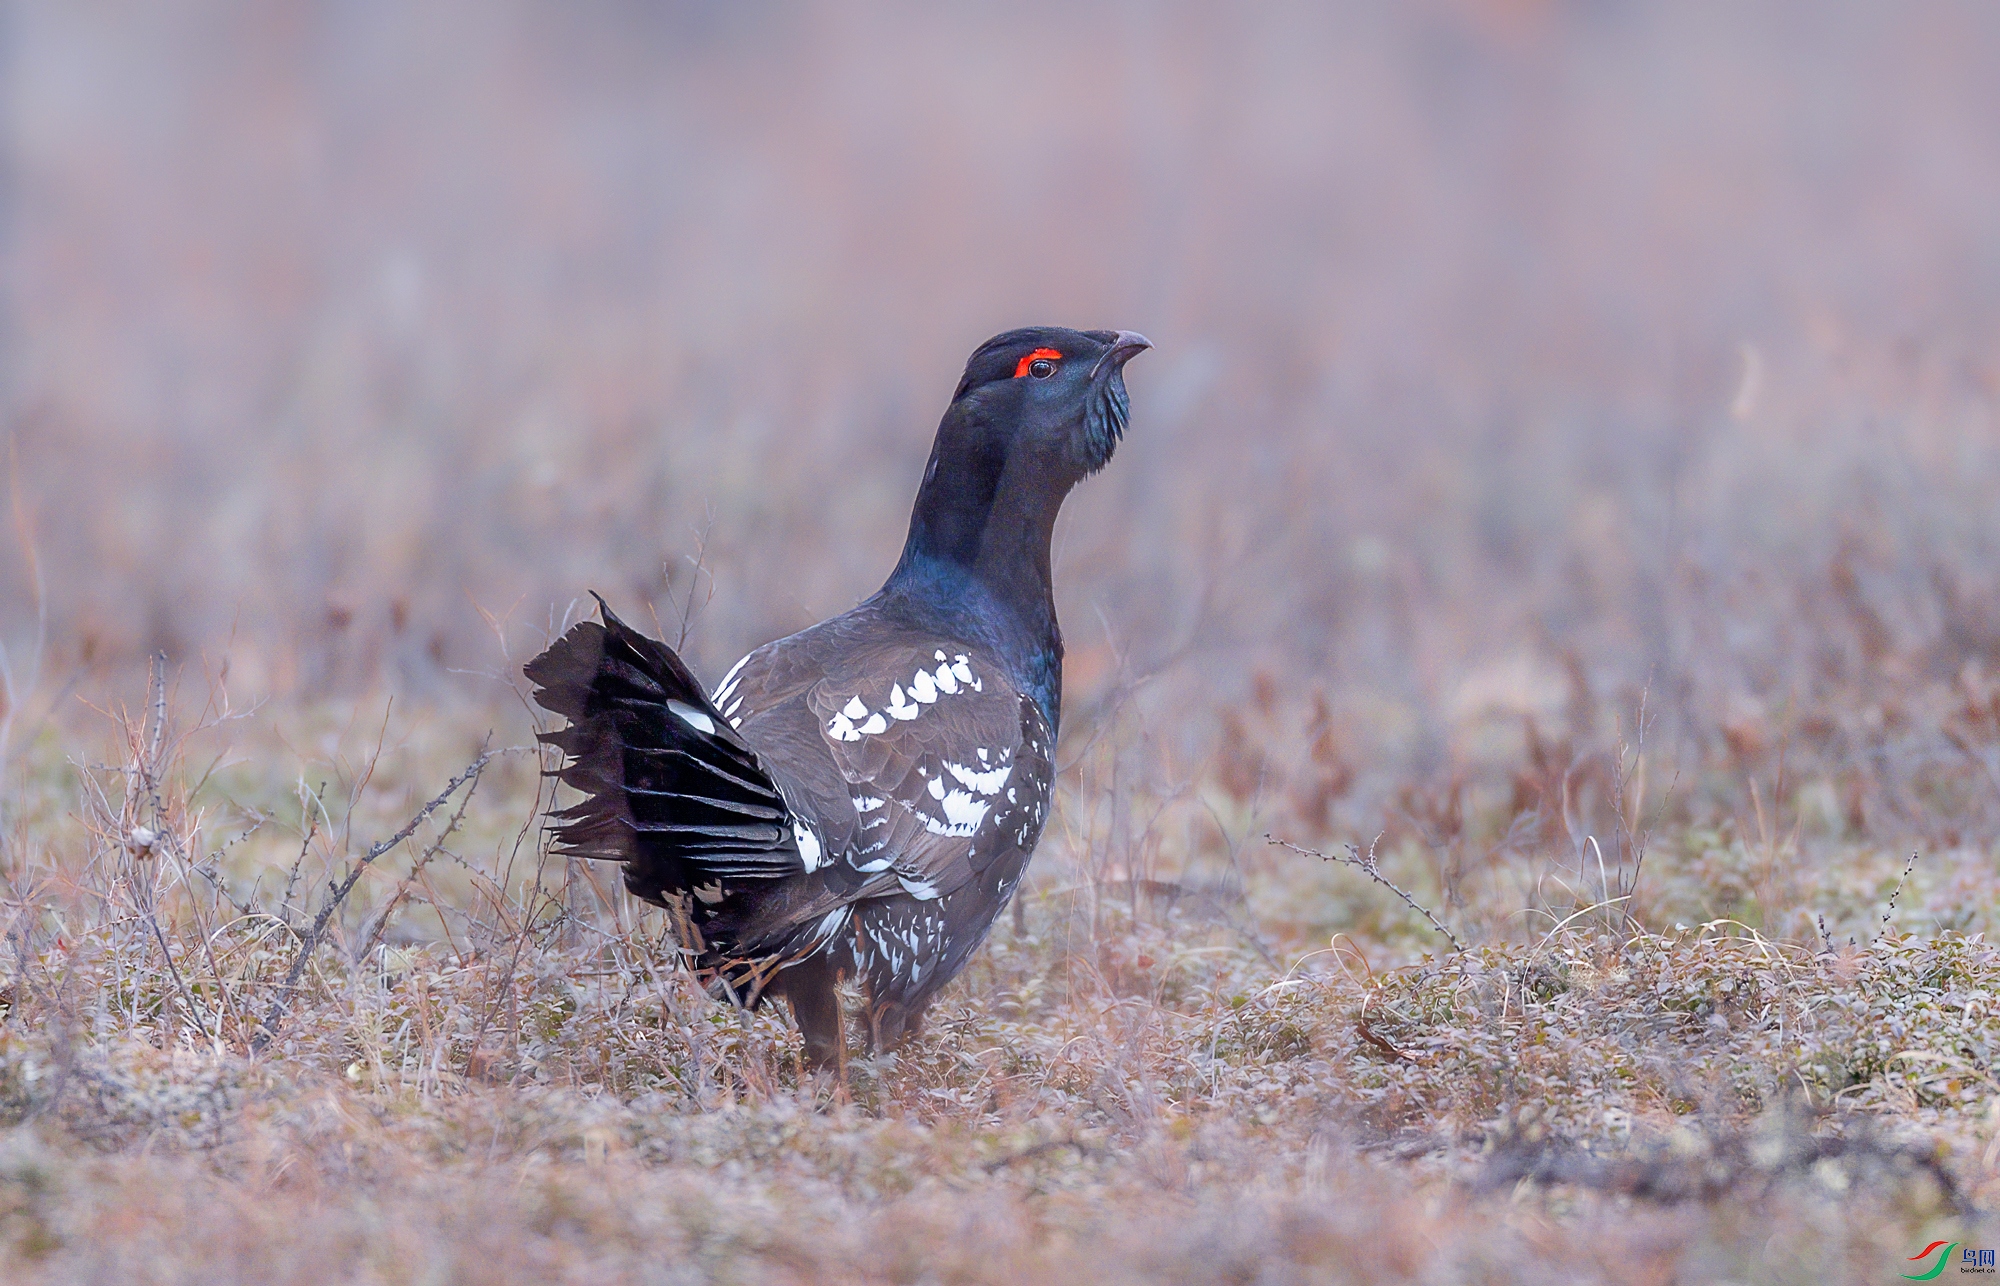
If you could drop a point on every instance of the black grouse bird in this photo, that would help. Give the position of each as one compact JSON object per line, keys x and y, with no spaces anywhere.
{"x":861,"y":798}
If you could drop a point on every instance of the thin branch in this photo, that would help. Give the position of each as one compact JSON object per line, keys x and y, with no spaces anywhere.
{"x":305,"y":847}
{"x":13,"y":693}
{"x":339,"y":894}
{"x":1366,"y":864}
{"x":699,"y":560}
{"x":381,"y":925}
{"x":180,"y":984}
{"x":1908,"y":866}
{"x":210,"y":868}
{"x":159,"y":703}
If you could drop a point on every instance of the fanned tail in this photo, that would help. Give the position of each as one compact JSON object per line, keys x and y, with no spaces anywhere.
{"x":669,"y":788}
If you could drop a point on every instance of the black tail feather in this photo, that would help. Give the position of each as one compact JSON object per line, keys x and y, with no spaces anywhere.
{"x":677,"y":796}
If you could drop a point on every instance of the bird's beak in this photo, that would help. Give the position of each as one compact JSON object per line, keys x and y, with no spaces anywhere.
{"x":1128,"y":345}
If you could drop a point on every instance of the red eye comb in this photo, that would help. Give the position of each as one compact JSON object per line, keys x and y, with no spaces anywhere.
{"x":1039,"y":355}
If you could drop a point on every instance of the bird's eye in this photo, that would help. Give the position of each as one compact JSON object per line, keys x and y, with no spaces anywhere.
{"x":1040,"y":364}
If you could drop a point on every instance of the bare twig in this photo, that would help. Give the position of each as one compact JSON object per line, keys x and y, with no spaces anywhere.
{"x":159,"y":720}
{"x":180,"y":984}
{"x":1377,"y":1039}
{"x":210,"y":867}
{"x":1890,"y":910}
{"x":1367,"y":865}
{"x":158,"y":838}
{"x":381,"y":924}
{"x":1046,"y":1146}
{"x":338,"y":894}
{"x":14,"y":690}
{"x":305,"y":847}
{"x":699,"y":560}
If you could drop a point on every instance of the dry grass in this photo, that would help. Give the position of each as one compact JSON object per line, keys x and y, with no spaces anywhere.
{"x":490,"y":1069}
{"x":1565,"y":477}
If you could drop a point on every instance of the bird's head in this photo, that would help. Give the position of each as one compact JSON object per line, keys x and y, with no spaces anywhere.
{"x":1036,"y":412}
{"x":1053,"y":397}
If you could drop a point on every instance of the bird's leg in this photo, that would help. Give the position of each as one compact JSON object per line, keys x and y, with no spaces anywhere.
{"x":874,"y":1014}
{"x":911,"y":1024}
{"x":891,"y":1024}
{"x":808,"y":988}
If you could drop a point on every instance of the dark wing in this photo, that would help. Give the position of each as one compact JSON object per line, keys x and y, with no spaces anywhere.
{"x":939,"y":753}
{"x":911,"y":762}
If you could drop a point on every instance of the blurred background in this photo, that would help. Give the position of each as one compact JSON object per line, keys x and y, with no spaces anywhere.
{"x":1520,"y":365}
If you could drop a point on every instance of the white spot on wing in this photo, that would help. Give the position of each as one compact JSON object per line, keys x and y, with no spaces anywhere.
{"x":810,"y":851}
{"x":986,"y":783}
{"x":947,"y":681}
{"x":841,"y":728}
{"x":692,"y":717}
{"x":876,"y":723}
{"x":723,"y":688}
{"x":962,"y":813}
{"x":920,"y":889}
{"x":923,"y":687}
{"x":855,"y":708}
{"x":902,"y":707}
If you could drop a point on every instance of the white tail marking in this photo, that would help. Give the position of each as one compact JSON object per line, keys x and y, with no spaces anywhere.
{"x":692,"y":717}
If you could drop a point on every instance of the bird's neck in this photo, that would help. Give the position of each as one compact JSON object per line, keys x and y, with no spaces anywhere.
{"x":976,"y":566}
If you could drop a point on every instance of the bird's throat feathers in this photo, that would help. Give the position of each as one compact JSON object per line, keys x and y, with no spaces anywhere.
{"x":1038,"y":410}
{"x":976,"y":562}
